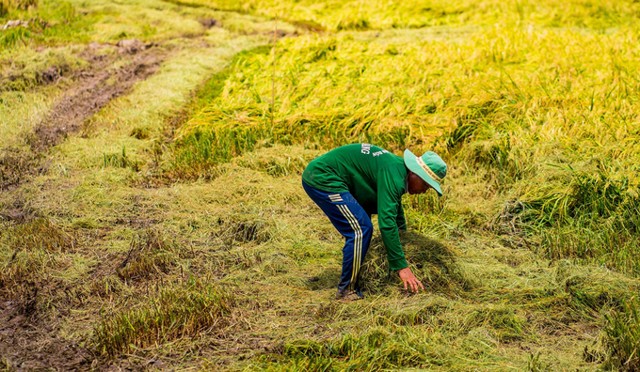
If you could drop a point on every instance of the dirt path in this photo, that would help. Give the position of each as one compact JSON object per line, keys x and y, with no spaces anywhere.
{"x":93,"y":88}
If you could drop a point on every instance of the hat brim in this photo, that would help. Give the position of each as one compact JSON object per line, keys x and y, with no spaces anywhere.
{"x":410,"y":160}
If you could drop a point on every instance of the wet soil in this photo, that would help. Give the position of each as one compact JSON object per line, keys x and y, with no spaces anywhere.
{"x":26,"y":345}
{"x":93,"y":91}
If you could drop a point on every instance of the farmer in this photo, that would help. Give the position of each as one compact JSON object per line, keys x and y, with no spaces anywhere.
{"x":352,"y":182}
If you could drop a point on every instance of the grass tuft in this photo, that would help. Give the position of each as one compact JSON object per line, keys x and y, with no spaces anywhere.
{"x":29,"y":253}
{"x":40,"y":234}
{"x":140,"y":133}
{"x":594,"y":289}
{"x":508,"y":324}
{"x":120,"y":160}
{"x":151,"y":254}
{"x":16,"y":164}
{"x":107,"y":287}
{"x":243,"y":229}
{"x":377,"y":349}
{"x":423,"y":313}
{"x":176,"y":312}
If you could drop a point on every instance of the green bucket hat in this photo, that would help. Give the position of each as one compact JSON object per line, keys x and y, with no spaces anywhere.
{"x":430,"y":167}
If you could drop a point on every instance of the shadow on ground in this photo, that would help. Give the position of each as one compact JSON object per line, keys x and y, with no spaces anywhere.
{"x":432,"y":261}
{"x":327,"y":279}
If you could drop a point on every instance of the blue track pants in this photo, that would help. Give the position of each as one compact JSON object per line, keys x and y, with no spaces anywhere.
{"x":351,"y":220}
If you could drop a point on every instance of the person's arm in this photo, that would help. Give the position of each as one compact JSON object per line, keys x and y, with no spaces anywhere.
{"x":389,"y":207}
{"x":387,"y":222}
{"x":400,"y":219}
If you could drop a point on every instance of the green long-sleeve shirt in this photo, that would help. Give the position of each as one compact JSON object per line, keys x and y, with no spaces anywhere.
{"x":376,"y":178}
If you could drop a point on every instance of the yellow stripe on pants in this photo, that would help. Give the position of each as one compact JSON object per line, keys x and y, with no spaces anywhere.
{"x":357,"y":244}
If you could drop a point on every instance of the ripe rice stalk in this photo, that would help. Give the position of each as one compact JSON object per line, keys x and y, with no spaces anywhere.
{"x":378,"y":14}
{"x":588,"y":197}
{"x":434,"y":263}
{"x":334,"y":95}
{"x":621,"y":337}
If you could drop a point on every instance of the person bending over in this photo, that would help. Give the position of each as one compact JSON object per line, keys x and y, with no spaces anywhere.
{"x":352,"y":182}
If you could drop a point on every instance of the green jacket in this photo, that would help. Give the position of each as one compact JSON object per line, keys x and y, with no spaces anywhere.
{"x":376,"y":178}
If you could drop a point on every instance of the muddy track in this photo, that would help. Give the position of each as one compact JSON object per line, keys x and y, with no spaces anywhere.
{"x":26,"y":342}
{"x":93,"y":89}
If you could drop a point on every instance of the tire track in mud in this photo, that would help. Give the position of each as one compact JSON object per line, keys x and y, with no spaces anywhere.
{"x":93,"y":89}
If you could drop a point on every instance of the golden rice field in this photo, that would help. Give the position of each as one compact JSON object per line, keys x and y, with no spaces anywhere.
{"x":163,"y":226}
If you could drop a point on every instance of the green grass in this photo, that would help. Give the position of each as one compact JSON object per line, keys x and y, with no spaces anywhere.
{"x":56,"y":46}
{"x":30,"y":69}
{"x":173,"y":227}
{"x":50,"y":22}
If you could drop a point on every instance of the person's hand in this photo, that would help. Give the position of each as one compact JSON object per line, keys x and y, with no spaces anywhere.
{"x":410,"y":280}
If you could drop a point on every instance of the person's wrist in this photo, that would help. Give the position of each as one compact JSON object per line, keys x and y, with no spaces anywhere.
{"x":398,"y":264}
